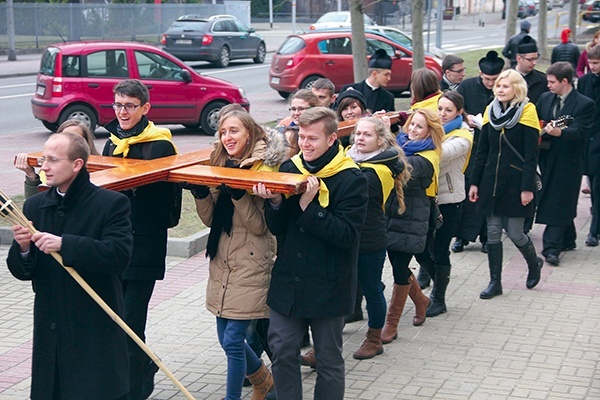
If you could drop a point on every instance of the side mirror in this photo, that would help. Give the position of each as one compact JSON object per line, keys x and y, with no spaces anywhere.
{"x":251,"y":30}
{"x":185,"y":75}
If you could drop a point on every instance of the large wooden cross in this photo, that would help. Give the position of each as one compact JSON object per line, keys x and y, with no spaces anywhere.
{"x":119,"y":174}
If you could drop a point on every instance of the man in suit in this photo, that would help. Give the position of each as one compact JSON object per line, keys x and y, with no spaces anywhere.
{"x":589,"y":85}
{"x":527,"y":58}
{"x":561,"y":159}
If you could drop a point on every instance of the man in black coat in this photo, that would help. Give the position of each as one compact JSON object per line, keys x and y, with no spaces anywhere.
{"x":589,"y":86}
{"x":510,"y":50}
{"x":78,"y":351}
{"x":454,"y":71}
{"x":314,"y":278}
{"x":154,"y":208}
{"x":527,"y":58}
{"x":561,"y":159}
{"x":566,"y":50}
{"x":477,"y":93}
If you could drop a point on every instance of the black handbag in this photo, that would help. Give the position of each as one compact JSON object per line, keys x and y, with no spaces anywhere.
{"x":436,"y":219}
{"x":538,"y":176}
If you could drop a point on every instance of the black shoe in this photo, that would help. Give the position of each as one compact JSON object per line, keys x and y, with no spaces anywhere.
{"x":484,"y":247}
{"x":569,"y":247}
{"x":553,"y":259}
{"x":592,"y":240}
{"x":459,"y":245}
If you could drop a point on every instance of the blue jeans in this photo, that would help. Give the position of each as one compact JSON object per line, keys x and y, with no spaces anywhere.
{"x":370,"y":267}
{"x":241,"y":360}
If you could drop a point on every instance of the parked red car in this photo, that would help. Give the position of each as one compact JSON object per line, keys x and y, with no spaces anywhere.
{"x":304,"y":58}
{"x":76,"y":80}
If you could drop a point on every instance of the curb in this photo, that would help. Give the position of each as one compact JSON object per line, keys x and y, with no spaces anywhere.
{"x":176,"y":247}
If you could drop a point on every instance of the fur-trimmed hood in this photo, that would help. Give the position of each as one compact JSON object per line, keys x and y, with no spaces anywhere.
{"x":271,"y":150}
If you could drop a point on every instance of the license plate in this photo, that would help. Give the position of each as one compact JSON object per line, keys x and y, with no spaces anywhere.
{"x":275,"y":81}
{"x":183,"y":41}
{"x":40,"y":90}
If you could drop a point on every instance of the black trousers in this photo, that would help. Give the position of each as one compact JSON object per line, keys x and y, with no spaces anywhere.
{"x":595,"y":190}
{"x":556,"y":238}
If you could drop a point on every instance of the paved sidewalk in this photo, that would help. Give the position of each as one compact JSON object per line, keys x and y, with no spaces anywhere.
{"x":527,"y":344}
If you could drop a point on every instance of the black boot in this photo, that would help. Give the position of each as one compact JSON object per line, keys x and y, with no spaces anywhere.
{"x":437,"y":305}
{"x":423,"y":278}
{"x":495,"y":265}
{"x":534,"y":264}
{"x":459,"y":245}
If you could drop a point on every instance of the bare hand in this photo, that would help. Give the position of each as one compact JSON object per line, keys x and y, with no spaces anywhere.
{"x":312,"y":188}
{"x":473,"y":193}
{"x":47,"y":242}
{"x":22,"y":164}
{"x":22,"y":237}
{"x":261,"y":190}
{"x":526,"y":197}
{"x":552,"y":131}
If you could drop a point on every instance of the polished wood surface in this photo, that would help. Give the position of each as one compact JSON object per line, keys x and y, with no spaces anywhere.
{"x":345,"y":128}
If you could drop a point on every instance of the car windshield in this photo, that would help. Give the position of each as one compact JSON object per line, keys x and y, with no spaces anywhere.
{"x":291,"y":45}
{"x":398,"y":37}
{"x":189,"y":25}
{"x":333,"y":17}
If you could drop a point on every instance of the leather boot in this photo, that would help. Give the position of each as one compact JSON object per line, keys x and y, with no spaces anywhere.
{"x":394,"y":312}
{"x":262,"y":383}
{"x":309,"y":359}
{"x":371,"y":346}
{"x":423,"y":278}
{"x":421,"y":301}
{"x":495,"y":265}
{"x":437,"y":305}
{"x":534,"y":264}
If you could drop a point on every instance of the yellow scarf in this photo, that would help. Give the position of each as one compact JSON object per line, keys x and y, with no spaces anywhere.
{"x":430,"y":103}
{"x":150,"y":134}
{"x":385,"y":176}
{"x":528,"y":118}
{"x":434,"y":157}
{"x":339,"y":163}
{"x":463,"y":133}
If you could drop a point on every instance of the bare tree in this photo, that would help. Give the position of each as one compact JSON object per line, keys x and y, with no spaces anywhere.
{"x":543,"y":30}
{"x":512,"y":11}
{"x":359,"y":42}
{"x":417,"y":35}
{"x":573,"y":15}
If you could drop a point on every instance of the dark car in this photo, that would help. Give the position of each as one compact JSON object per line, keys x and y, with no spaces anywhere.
{"x":76,"y":81}
{"x":304,"y":58}
{"x":591,"y":11}
{"x":217,"y":39}
{"x":523,"y":10}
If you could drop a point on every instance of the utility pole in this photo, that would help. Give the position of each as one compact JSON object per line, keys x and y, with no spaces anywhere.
{"x":10,"y":27}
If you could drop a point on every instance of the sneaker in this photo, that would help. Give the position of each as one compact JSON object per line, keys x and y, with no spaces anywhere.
{"x":592,"y":240}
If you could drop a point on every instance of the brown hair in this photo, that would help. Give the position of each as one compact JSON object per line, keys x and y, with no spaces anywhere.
{"x":85,"y":130}
{"x":423,"y":82}
{"x":434,"y":125}
{"x":306,"y":95}
{"x":78,"y":147}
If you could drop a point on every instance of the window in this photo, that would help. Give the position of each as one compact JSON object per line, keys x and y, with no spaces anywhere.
{"x":374,"y":45}
{"x":71,"y":66}
{"x":109,"y":64}
{"x":154,"y":66}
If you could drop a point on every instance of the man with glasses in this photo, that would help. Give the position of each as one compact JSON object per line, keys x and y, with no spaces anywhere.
{"x":154,"y":208}
{"x":527,"y":58}
{"x":78,"y":350}
{"x":454,"y":72}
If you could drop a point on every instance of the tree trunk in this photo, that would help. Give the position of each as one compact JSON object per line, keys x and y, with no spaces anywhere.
{"x":359,"y":42}
{"x":573,"y":16}
{"x":512,"y":12}
{"x":543,"y":31}
{"x":417,"y":34}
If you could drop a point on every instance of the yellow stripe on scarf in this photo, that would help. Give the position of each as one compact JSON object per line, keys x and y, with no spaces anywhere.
{"x":150,"y":134}
{"x":385,"y":177}
{"x":434,"y":157}
{"x":339,"y":163}
{"x":528,"y":118}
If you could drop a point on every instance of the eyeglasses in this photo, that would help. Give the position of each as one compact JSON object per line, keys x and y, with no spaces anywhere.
{"x":128,"y":107}
{"x":300,"y":109}
{"x":458,"y":71}
{"x":50,"y":160}
{"x":532,"y":59}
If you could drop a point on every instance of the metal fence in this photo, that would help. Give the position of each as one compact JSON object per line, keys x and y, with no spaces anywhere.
{"x":40,"y":24}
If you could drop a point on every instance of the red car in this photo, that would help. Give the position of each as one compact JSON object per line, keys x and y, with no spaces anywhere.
{"x":76,"y":80}
{"x":304,"y":58}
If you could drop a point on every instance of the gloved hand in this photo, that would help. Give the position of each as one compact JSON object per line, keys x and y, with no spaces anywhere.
{"x":235,"y":194}
{"x":198,"y":191}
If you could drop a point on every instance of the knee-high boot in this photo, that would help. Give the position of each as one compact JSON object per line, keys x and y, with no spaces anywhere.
{"x":495,"y":265}
{"x":437,"y":305}
{"x":423,"y":278}
{"x":395,"y":309}
{"x":534,"y":264}
{"x":421,"y":302}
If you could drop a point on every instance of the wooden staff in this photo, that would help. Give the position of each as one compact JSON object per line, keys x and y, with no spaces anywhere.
{"x":16,"y":217}
{"x":345,"y":128}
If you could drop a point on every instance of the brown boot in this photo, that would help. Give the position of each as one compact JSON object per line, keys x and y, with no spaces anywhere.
{"x":308,"y":359}
{"x":262,"y":382}
{"x":395,"y":308}
{"x":371,"y":346}
{"x":421,"y":301}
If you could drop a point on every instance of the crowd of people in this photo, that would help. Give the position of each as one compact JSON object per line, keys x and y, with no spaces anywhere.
{"x":469,"y":159}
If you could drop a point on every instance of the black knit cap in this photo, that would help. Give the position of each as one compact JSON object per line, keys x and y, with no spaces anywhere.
{"x":527,"y":45}
{"x":355,"y":94}
{"x":491,"y":64}
{"x":380,"y":59}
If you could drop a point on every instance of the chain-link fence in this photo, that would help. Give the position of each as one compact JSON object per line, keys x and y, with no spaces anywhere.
{"x":40,"y":24}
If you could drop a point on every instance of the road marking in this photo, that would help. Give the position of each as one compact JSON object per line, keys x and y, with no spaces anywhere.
{"x":15,"y":86}
{"x":227,"y":70}
{"x":15,"y":96}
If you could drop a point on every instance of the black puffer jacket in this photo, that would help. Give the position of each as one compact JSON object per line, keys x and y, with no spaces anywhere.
{"x":566,"y":52}
{"x":408,"y":232}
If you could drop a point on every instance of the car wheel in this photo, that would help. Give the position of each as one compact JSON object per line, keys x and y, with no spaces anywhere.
{"x":81,"y":113}
{"x":260,"y":54}
{"x":53,"y":127}
{"x":285,"y":95}
{"x":209,"y":120}
{"x":308,"y":82}
{"x":223,"y":60}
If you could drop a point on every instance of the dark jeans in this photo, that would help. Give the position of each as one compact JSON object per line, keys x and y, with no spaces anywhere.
{"x":137,"y":294}
{"x":241,"y":360}
{"x":370,"y":267}
{"x":401,"y":260}
{"x":444,"y":235}
{"x":595,"y":191}
{"x":285,"y":338}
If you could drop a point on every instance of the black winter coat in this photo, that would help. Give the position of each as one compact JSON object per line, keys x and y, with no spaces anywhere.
{"x":536,"y":85}
{"x":589,"y":86}
{"x":562,"y":159}
{"x":408,"y":232}
{"x":380,"y":99}
{"x":315,"y":273}
{"x":511,"y":48}
{"x":69,"y":329}
{"x":500,"y":175}
{"x":568,"y":52}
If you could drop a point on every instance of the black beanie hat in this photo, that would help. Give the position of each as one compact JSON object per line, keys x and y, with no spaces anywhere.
{"x":491,"y":64}
{"x":353,"y":93}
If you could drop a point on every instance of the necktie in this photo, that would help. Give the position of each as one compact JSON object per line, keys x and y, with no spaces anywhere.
{"x":557,"y":106}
